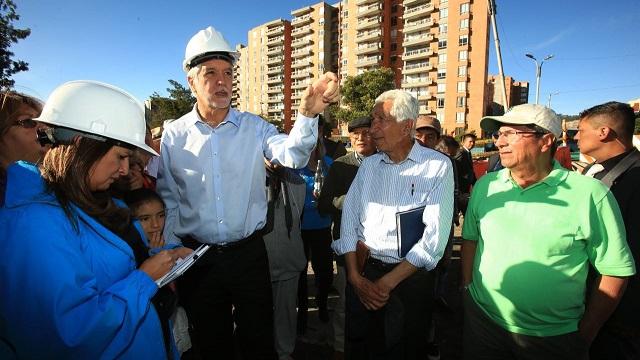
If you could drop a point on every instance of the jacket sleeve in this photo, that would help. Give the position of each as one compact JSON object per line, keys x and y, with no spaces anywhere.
{"x":58,"y":304}
{"x":168,"y":191}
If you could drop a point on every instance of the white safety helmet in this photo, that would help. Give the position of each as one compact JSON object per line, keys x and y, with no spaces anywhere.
{"x":96,"y":110}
{"x":207,"y":44}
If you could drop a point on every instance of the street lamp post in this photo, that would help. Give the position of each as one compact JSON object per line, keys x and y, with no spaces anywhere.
{"x":549,"y":99}
{"x":538,"y":72}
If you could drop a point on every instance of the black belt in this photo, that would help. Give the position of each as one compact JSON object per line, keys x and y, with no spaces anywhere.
{"x":192,"y":243}
{"x":381,"y":265}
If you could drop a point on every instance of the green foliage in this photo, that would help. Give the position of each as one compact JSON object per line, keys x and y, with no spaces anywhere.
{"x":8,"y":35}
{"x":359,"y":93}
{"x":179,"y":102}
{"x":637,"y":130}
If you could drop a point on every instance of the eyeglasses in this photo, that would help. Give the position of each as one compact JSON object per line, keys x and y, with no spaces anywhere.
{"x":513,"y":135}
{"x":26,"y":123}
{"x":363,"y":134}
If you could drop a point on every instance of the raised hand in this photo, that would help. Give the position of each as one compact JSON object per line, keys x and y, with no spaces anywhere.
{"x":324,"y":91}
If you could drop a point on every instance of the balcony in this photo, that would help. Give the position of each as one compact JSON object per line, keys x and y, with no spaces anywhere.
{"x":275,"y":40}
{"x":413,"y":26}
{"x":420,"y":38}
{"x":300,"y":64}
{"x":301,"y":52}
{"x":301,"y":31}
{"x":416,"y":68}
{"x":425,"y":110}
{"x":368,"y":48}
{"x":300,"y":74}
{"x":274,"y":89}
{"x":302,"y":11}
{"x":275,"y":79}
{"x":416,"y":82}
{"x":276,"y":50}
{"x":368,"y":35}
{"x":275,"y":30}
{"x":372,"y":9}
{"x":272,"y":109}
{"x":413,"y":2}
{"x":301,"y":42}
{"x":275,"y":60}
{"x":296,"y":95}
{"x":414,"y":12}
{"x":275,"y":70}
{"x":367,"y":60}
{"x":300,"y":84}
{"x":368,"y":23}
{"x":302,"y":20}
{"x":362,"y":2}
{"x":275,"y":99}
{"x":417,"y":54}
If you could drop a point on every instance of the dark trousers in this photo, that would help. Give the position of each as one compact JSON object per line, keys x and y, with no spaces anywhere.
{"x":484,"y":339}
{"x":615,"y":343}
{"x":397,"y":330}
{"x":228,"y":286}
{"x":317,"y":249}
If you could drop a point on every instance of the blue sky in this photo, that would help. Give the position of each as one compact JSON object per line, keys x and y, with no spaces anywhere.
{"x":139,"y":45}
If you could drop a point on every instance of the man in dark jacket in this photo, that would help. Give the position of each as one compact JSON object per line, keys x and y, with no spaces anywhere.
{"x":335,"y":188}
{"x":605,"y":132}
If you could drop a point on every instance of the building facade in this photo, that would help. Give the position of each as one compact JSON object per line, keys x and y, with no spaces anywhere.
{"x":438,"y":50}
{"x":517,"y":94}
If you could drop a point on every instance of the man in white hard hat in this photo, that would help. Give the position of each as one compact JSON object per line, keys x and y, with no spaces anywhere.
{"x":212,"y":179}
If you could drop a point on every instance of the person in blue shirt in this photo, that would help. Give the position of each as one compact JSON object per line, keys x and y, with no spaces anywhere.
{"x":77,"y":279}
{"x":316,"y":237}
{"x":212,"y":179}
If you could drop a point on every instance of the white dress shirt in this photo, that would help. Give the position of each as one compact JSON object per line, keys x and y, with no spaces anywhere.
{"x":383,"y":188}
{"x":213,"y":179}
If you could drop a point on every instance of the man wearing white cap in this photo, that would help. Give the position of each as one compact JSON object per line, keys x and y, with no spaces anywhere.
{"x":212,"y":179}
{"x":530,"y":232}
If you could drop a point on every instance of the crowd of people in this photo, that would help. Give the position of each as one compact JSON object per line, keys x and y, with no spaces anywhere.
{"x":95,"y":208}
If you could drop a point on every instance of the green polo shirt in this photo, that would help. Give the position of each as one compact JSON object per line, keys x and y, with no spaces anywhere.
{"x":534,"y":246}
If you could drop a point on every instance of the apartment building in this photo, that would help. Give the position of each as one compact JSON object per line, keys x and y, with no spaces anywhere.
{"x":517,"y":93}
{"x":238,"y":79}
{"x":313,"y":47}
{"x":438,"y":50}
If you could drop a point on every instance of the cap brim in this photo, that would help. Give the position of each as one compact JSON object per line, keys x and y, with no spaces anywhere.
{"x":491,"y":124}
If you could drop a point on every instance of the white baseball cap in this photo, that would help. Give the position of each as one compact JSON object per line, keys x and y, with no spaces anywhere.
{"x":525,"y":114}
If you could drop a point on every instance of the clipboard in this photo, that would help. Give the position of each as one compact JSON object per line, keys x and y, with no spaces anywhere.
{"x":410,"y":229}
{"x":182,"y":265}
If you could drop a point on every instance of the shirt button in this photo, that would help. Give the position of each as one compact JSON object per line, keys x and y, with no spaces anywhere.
{"x":220,"y":221}
{"x":218,"y":198}
{"x":215,"y":153}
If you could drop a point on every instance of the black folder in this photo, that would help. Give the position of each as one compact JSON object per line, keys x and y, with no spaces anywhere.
{"x":410,"y":229}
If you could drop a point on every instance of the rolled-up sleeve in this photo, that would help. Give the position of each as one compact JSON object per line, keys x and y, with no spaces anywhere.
{"x":291,"y":150}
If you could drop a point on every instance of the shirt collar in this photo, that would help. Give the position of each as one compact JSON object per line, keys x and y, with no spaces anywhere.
{"x":414,"y":154}
{"x":557,"y":175}
{"x":232,"y":117}
{"x":612,"y":162}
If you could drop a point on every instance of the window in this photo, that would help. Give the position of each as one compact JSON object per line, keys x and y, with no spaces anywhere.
{"x":460,"y":117}
{"x":440,"y":117}
{"x":442,"y":73}
{"x":462,"y":70}
{"x":440,"y":103}
{"x":464,"y":23}
{"x":394,"y":20}
{"x":442,"y":2}
{"x":464,"y":8}
{"x":443,"y":28}
{"x":442,"y":58}
{"x":344,"y":62}
{"x":442,"y":44}
{"x":394,"y":47}
{"x":463,"y":40}
{"x":463,"y":55}
{"x":394,"y":9}
{"x":441,"y":88}
{"x":461,"y":101}
{"x":444,"y":13}
{"x":321,"y":21}
{"x":462,"y":86}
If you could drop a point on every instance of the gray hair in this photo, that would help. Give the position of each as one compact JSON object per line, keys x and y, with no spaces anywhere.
{"x":405,"y":106}
{"x":193,"y":74}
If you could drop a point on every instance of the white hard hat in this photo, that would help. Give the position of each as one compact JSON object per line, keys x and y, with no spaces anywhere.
{"x":205,"y":45}
{"x":97,"y":110}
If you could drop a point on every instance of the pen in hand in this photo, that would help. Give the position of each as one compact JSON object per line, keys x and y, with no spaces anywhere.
{"x":413,"y":188}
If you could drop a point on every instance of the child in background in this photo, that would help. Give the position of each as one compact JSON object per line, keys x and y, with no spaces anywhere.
{"x":149,"y":209}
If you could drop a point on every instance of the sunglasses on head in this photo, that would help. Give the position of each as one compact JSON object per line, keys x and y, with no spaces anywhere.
{"x":27,"y":123}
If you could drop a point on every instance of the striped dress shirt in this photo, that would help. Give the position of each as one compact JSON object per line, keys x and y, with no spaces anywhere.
{"x":382,"y":188}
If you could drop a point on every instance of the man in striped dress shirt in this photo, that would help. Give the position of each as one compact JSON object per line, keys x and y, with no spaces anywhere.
{"x":388,"y":303}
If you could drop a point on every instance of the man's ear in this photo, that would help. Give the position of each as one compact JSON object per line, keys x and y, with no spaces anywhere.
{"x":548,"y":140}
{"x":605,"y":132}
{"x":409,"y":126}
{"x":191,"y":83}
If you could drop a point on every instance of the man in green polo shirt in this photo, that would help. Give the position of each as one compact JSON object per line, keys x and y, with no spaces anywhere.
{"x":530,"y":232}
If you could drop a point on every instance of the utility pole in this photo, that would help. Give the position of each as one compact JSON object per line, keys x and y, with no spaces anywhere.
{"x":496,"y":41}
{"x":538,"y":72}
{"x":549,"y":99}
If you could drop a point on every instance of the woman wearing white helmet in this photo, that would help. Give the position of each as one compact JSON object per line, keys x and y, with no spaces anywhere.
{"x":77,"y":279}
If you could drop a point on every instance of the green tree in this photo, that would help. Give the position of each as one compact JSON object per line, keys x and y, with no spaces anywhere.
{"x":637,"y":130}
{"x":360,"y":92}
{"x":179,"y":102}
{"x":8,"y":35}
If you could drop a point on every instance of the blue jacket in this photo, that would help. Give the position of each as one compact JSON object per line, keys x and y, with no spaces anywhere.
{"x":67,"y":294}
{"x":311,"y":218}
